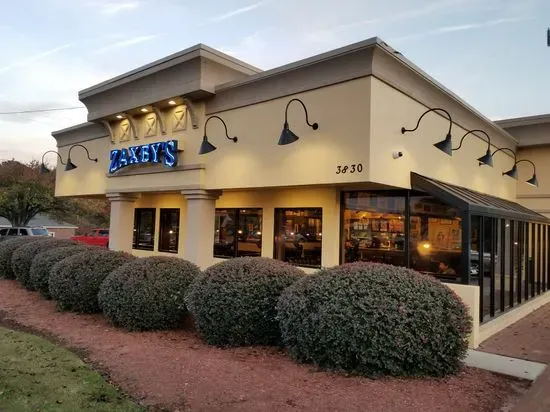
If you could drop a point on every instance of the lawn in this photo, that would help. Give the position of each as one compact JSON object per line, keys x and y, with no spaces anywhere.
{"x":37,"y":375}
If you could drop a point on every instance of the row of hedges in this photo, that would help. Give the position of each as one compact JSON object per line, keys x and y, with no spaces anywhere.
{"x":363,"y":318}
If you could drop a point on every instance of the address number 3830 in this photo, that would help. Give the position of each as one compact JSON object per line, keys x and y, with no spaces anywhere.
{"x":353,"y":168}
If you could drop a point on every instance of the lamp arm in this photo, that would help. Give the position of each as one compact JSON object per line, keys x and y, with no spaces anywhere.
{"x":471,"y":132}
{"x":224,"y":126}
{"x":84,"y":147}
{"x":305,"y":110}
{"x":506,"y":149}
{"x":528,"y":161}
{"x":435,"y":109}
{"x":58,"y":155}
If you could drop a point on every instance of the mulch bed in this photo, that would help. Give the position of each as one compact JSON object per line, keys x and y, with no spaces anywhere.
{"x":176,"y":371}
{"x":527,"y":339}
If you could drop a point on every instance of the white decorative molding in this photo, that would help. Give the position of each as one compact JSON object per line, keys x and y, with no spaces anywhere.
{"x":179,"y":118}
{"x":150,"y":125}
{"x":124,"y":130}
{"x":133,"y":125}
{"x":192,"y":112}
{"x":160,"y":119}
{"x":109,"y":129}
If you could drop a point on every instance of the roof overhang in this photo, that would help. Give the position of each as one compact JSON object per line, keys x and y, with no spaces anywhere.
{"x":475,"y":203}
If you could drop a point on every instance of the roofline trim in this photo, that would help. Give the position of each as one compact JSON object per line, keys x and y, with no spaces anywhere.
{"x":524,"y":121}
{"x":201,"y":50}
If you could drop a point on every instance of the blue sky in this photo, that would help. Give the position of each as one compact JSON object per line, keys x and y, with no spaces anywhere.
{"x":492,"y":53}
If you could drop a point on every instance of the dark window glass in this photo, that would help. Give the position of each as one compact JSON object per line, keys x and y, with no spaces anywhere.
{"x":23,"y":232}
{"x":435,"y":238}
{"x":103,"y":233}
{"x":3,"y":232}
{"x":12,"y":232}
{"x":144,"y":229}
{"x":507,"y":263}
{"x":298,"y":236}
{"x":40,"y":232}
{"x":169,"y":230}
{"x":374,"y":228}
{"x":238,"y":232}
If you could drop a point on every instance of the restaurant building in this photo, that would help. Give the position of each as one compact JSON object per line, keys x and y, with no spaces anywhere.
{"x":351,"y":155}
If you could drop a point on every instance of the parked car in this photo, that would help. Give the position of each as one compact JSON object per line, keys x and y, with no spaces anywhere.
{"x":24,"y":231}
{"x":96,"y":237}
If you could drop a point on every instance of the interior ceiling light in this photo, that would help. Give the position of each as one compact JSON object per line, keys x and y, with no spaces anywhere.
{"x":172,"y":102}
{"x":144,"y":110}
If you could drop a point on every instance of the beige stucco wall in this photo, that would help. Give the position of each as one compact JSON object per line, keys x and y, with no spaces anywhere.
{"x":341,"y":110}
{"x":161,"y":201}
{"x":470,"y":296}
{"x":268,"y":200}
{"x":62,"y":233}
{"x":535,"y":198}
{"x":390,"y":110}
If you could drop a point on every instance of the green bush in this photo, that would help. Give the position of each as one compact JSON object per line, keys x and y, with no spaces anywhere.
{"x":74,"y":282}
{"x":21,"y":259}
{"x":7,"y":247}
{"x":43,"y":263}
{"x":147,"y":293}
{"x":373,"y":319}
{"x":233,"y":302}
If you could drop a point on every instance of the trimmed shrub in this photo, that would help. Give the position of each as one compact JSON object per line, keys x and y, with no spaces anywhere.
{"x":147,"y":293}
{"x":233,"y":302}
{"x":374,"y":319}
{"x":21,"y":259}
{"x":43,"y":263}
{"x":7,"y":247}
{"x":74,"y":282}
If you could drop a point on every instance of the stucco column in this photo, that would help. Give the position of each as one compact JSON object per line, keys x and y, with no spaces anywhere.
{"x":199,"y":230}
{"x":121,"y":228}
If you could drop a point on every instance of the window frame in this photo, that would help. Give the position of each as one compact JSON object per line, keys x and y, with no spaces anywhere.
{"x":163,"y":212}
{"x":237,"y":214}
{"x":276,"y":215}
{"x":137,"y":222}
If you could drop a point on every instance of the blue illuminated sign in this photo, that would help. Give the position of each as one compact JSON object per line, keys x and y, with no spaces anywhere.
{"x":160,"y":152}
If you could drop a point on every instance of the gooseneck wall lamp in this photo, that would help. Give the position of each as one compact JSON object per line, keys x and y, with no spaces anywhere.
{"x":70,"y":165}
{"x":287,"y":135}
{"x":487,"y":158}
{"x":43,"y":168}
{"x":445,"y":145}
{"x":206,"y":146}
{"x":513,"y":172}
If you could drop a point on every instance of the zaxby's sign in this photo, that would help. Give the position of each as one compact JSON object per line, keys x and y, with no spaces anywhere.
{"x":160,"y":152}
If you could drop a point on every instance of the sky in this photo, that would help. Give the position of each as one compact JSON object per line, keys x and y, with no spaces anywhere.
{"x":492,"y":53}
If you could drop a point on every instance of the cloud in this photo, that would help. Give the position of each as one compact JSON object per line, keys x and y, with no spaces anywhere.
{"x":241,"y":10}
{"x":461,"y":27}
{"x":34,"y":58}
{"x":112,"y":7}
{"x":127,"y":43}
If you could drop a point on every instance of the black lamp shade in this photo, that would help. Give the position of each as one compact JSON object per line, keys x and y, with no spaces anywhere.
{"x":513,"y":173}
{"x":206,"y":146}
{"x":446,"y":146}
{"x":43,"y":169}
{"x":287,"y":136}
{"x":486,"y":159}
{"x":533,"y":181}
{"x":70,"y":166}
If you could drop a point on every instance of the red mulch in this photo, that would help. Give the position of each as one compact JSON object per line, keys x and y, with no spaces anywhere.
{"x":176,"y":371}
{"x":528,"y":338}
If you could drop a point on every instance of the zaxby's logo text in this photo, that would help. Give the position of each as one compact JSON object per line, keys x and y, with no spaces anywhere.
{"x":160,"y":152}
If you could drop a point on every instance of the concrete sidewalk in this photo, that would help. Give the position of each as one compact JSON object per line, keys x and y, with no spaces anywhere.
{"x":505,"y":365}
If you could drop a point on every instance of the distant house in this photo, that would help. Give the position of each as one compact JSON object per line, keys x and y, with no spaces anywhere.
{"x":61,"y":230}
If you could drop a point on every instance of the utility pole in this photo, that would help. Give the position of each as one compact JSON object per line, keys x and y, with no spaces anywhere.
{"x":548,"y":37}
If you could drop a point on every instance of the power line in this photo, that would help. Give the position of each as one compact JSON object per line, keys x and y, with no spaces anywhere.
{"x":43,"y":110}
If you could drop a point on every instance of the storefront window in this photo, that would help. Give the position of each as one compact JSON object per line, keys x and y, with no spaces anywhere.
{"x":169,"y":230}
{"x":298,"y":236}
{"x":374,"y":227}
{"x":144,"y":229}
{"x":238,"y":232}
{"x":435,"y":239}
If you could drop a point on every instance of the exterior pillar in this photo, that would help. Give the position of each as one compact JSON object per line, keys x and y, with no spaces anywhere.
{"x":121,"y":228}
{"x":199,"y":231}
